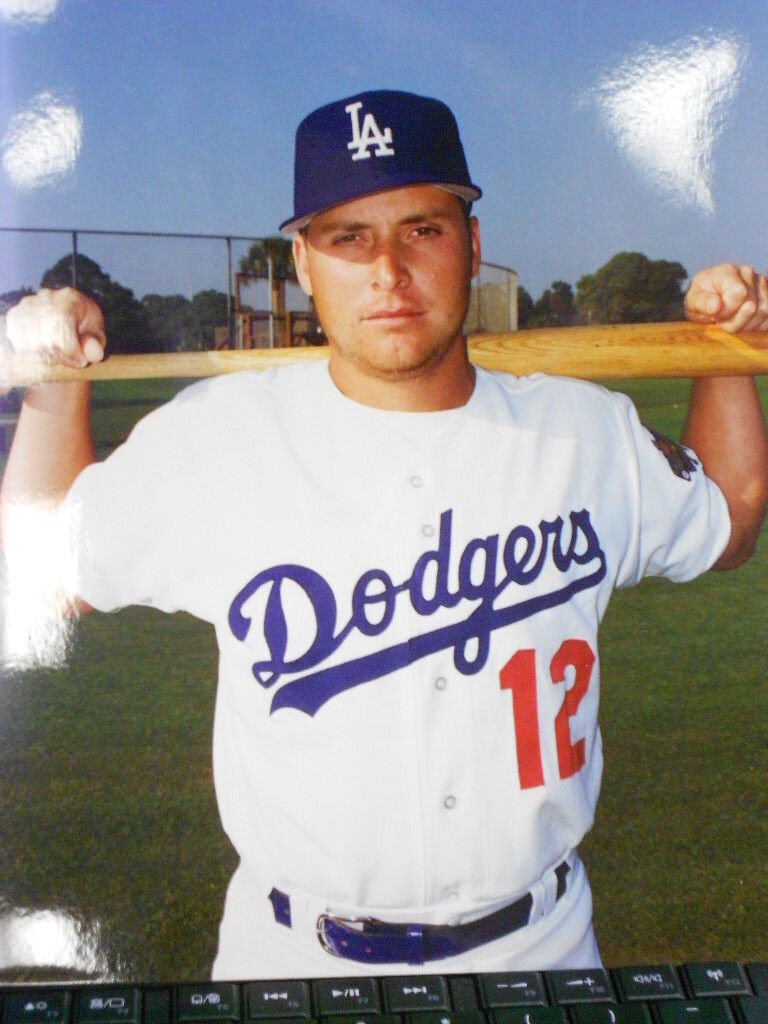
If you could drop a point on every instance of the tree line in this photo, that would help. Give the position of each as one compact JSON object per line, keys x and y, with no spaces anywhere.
{"x":158,"y":323}
{"x":629,"y":288}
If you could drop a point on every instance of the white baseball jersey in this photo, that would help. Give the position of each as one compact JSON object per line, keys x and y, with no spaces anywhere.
{"x":406,"y":607}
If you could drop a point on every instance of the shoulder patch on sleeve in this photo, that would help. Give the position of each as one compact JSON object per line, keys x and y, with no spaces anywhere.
{"x":681,"y":460}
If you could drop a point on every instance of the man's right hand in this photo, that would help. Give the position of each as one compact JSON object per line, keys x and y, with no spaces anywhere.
{"x":60,"y":326}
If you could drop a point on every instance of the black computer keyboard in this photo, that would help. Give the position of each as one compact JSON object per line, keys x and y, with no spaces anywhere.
{"x":696,"y":993}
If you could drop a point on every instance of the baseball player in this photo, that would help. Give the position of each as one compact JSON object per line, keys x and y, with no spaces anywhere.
{"x":406,"y":560}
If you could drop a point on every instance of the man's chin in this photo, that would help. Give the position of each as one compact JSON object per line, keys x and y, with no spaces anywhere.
{"x":401,"y":357}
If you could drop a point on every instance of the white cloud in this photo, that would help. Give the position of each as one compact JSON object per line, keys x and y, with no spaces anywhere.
{"x":666,"y":107}
{"x":42,"y":143}
{"x":27,"y":12}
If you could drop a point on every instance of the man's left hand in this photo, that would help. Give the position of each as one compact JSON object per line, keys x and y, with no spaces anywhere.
{"x":733,"y":297}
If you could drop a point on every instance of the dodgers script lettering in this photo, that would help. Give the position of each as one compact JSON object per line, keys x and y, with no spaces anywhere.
{"x":498,"y":576}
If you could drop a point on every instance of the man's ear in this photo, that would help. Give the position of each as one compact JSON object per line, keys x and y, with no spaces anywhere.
{"x":301,"y":262}
{"x":474,"y":235}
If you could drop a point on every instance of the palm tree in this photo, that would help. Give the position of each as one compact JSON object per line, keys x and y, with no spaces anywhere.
{"x":272,"y":258}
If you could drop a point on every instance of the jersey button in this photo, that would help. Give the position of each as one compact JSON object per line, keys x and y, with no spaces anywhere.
{"x":428,"y":530}
{"x":416,"y":480}
{"x":450,"y":802}
{"x":440,"y":683}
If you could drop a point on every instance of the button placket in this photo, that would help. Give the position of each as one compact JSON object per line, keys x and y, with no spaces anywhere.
{"x":439,"y":709}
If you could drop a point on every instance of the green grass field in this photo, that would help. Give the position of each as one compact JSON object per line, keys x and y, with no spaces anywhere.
{"x":107,"y":809}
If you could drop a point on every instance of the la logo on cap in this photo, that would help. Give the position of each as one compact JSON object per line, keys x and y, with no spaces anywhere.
{"x":370,"y":135}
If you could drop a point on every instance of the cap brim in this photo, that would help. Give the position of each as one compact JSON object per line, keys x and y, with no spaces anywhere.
{"x":467,"y":192}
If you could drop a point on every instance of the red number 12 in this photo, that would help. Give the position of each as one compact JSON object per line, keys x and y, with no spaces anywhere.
{"x":519,"y":676}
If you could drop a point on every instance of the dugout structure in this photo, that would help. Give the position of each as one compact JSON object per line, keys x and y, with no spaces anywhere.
{"x":288,"y":321}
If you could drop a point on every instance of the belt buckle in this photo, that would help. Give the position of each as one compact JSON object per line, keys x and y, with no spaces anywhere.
{"x":370,"y":940}
{"x":320,"y":930}
{"x":342,"y":922}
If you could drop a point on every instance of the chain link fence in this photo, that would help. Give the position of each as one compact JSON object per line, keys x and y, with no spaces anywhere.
{"x":493,"y":301}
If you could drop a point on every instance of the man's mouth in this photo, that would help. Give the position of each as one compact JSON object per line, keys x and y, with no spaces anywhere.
{"x":395,"y":314}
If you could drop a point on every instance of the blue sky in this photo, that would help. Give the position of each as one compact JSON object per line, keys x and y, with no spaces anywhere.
{"x":188,"y":110}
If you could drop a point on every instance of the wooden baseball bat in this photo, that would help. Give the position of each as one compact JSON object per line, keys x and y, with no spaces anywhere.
{"x":593,"y":353}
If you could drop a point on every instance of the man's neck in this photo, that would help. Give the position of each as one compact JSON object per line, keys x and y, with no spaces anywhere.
{"x":433,"y":389}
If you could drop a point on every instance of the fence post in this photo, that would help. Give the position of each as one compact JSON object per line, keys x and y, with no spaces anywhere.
{"x":270,"y":272}
{"x":229,"y":292}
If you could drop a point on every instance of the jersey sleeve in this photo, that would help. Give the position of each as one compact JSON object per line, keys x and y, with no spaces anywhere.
{"x":682,"y":524}
{"x":127,"y":518}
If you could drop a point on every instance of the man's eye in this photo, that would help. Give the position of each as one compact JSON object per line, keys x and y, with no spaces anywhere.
{"x":421,"y":230}
{"x":350,"y":236}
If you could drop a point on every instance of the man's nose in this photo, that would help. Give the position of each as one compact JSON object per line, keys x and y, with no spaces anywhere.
{"x":390,"y":270}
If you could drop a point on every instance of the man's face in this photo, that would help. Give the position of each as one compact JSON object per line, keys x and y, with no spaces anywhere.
{"x":390,"y":276}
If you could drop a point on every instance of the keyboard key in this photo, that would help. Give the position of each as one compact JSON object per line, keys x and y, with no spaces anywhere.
{"x":512,"y":989}
{"x":420,"y":992}
{"x":157,"y":1006}
{"x":657,"y":982}
{"x":445,"y":1017}
{"x":717,"y":978}
{"x":108,"y":1006}
{"x":580,"y":987}
{"x":210,"y":1001}
{"x":38,"y":1007}
{"x":611,"y":1013}
{"x":364,"y":1018}
{"x":752,"y":1009}
{"x":758,"y":975}
{"x":529,"y":1015}
{"x":346,"y":995}
{"x":285,"y":1020}
{"x":701,"y":1011}
{"x":265,"y":999}
{"x":463,"y":993}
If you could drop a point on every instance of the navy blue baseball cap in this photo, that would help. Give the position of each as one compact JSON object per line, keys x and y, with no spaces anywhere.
{"x":371,"y":142}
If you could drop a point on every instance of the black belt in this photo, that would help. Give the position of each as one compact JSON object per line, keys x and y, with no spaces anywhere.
{"x":377,"y":942}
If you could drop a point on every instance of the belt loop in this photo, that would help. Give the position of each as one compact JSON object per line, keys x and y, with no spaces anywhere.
{"x":281,"y":907}
{"x":562,"y":873}
{"x":546,"y":892}
{"x":415,"y":945}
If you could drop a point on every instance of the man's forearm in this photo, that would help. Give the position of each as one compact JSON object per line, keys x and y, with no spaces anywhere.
{"x":726,"y":428}
{"x":51,"y":445}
